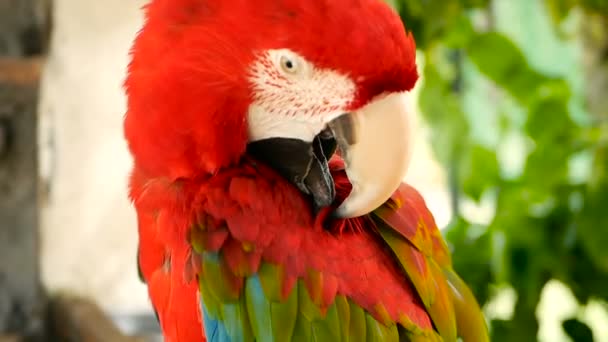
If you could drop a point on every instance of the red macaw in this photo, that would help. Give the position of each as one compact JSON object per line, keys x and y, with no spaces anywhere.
{"x":252,"y":227}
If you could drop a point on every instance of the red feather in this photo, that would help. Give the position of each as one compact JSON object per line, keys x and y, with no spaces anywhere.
{"x":166,"y":266}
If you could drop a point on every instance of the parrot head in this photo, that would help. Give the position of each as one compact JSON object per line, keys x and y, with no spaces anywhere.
{"x":286,"y":82}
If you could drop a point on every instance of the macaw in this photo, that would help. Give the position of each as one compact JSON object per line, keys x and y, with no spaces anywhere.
{"x":269,"y":140}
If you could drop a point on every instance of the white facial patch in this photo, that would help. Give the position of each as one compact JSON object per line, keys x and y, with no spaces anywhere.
{"x":293,"y":98}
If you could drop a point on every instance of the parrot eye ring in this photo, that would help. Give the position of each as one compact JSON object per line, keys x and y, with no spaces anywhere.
{"x":288,"y":65}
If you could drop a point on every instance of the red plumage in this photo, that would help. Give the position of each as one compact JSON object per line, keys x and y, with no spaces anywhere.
{"x":188,"y":80}
{"x":258,"y":207}
{"x":186,"y":127}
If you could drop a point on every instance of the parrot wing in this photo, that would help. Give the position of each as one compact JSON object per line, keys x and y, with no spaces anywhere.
{"x":409,"y":229}
{"x":160,"y":265}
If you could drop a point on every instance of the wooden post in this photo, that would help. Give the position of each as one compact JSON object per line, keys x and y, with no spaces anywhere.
{"x":23,"y":36}
{"x":74,"y":319}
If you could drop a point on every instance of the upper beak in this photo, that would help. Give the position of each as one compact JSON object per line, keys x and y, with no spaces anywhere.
{"x":374,"y":142}
{"x":375,"y":145}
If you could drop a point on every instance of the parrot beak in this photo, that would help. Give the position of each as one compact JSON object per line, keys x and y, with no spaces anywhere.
{"x":374,"y":142}
{"x":304,"y":164}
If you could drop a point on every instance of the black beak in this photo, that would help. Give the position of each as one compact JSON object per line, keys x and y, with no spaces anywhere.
{"x":374,"y":143}
{"x":305,"y":164}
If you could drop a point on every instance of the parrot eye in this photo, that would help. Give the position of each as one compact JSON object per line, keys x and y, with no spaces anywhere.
{"x":288,"y":65}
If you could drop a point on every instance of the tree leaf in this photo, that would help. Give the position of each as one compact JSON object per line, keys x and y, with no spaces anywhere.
{"x":478,"y":170}
{"x":499,"y":59}
{"x":577,"y":330}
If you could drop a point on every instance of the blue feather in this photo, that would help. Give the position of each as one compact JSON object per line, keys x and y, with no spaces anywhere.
{"x":234,"y":317}
{"x":259,"y":309}
{"x":215,"y":331}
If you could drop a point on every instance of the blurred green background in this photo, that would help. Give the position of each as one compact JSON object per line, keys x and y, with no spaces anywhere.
{"x":515,"y":93}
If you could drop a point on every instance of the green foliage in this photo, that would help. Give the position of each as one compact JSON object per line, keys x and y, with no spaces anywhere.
{"x":559,"y":9}
{"x":494,"y":95}
{"x":577,"y":330}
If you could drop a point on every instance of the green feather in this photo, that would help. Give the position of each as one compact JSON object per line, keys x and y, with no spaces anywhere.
{"x":236,"y":321}
{"x":357,"y":327}
{"x":417,"y":270}
{"x":306,"y":306}
{"x":378,"y":332}
{"x":284,"y":315}
{"x":344,"y":316}
{"x":406,"y":335}
{"x":312,"y":323}
{"x":211,"y":301}
{"x":258,"y":309}
{"x":197,"y":238}
{"x":270,"y":320}
{"x":469,"y":318}
{"x":271,"y":277}
{"x":442,"y":308}
{"x":217,"y":276}
{"x":302,"y":331}
{"x":328,"y":328}
{"x":393,"y":333}
{"x":221,"y":301}
{"x":429,"y":281}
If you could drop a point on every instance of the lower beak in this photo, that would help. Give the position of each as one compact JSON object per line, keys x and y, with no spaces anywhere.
{"x":305,"y":164}
{"x":374,"y":142}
